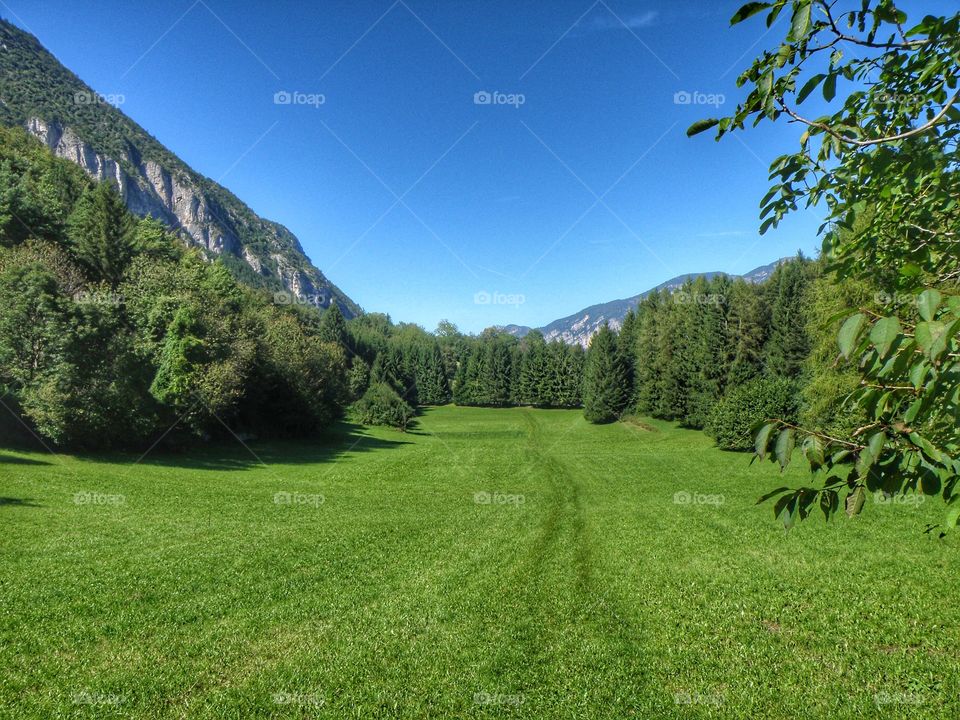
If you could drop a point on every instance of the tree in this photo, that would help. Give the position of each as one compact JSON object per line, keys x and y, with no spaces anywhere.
{"x":747,"y":329}
{"x":381,"y":405}
{"x":788,"y":345}
{"x":887,"y":149}
{"x":605,"y":379}
{"x":103,"y":233}
{"x":333,"y":328}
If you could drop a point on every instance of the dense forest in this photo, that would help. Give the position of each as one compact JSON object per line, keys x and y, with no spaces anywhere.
{"x":112,"y":333}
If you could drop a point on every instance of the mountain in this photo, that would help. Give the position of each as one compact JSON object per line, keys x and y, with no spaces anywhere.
{"x":580,"y":327}
{"x":43,"y":96}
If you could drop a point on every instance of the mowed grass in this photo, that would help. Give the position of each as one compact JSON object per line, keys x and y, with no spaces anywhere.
{"x":582,"y":589}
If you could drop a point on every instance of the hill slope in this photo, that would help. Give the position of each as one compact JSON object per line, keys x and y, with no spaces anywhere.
{"x":41,"y":95}
{"x":580,"y":327}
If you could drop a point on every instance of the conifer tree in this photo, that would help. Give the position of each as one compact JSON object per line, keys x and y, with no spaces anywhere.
{"x":103,"y":233}
{"x":605,"y":379}
{"x":788,"y":345}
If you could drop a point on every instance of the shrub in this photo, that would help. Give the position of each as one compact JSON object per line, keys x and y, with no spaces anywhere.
{"x":732,"y":419}
{"x":381,"y":405}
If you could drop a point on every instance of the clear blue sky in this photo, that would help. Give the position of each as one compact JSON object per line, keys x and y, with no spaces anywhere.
{"x":495,"y":198}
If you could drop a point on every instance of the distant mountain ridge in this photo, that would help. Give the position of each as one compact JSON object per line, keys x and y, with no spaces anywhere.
{"x":580,"y":327}
{"x":41,"y":95}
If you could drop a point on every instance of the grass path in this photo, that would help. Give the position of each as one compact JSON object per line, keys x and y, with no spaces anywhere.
{"x":492,"y":563}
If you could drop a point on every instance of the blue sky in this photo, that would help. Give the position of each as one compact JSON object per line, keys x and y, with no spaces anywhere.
{"x":412,"y":197}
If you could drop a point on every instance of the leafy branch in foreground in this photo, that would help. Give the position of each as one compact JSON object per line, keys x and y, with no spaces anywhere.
{"x":881,"y":152}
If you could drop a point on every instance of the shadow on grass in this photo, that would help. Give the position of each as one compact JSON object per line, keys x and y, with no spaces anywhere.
{"x":14,"y":460}
{"x":18,"y":502}
{"x":341,"y":439}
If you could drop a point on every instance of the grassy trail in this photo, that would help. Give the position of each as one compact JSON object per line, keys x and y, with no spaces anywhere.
{"x":491,"y":563}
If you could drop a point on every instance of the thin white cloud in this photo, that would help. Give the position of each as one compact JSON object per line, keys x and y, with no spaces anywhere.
{"x":607,"y":21}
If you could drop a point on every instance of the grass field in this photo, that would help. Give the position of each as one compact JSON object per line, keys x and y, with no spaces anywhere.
{"x":491,"y":563}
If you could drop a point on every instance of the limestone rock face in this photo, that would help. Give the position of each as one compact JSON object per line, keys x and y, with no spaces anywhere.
{"x":178,"y":201}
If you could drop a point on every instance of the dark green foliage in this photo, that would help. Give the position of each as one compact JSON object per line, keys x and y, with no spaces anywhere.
{"x":333,"y":327}
{"x":102,"y":232}
{"x":747,"y":328}
{"x":381,"y":405}
{"x":881,"y":159}
{"x":605,"y":384}
{"x":788,"y":345}
{"x":733,"y":419}
{"x":34,"y":85}
{"x":358,"y":378}
{"x":112,"y":335}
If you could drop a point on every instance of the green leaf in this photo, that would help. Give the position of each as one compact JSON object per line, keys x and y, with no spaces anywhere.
{"x":813,"y":451}
{"x":800,"y":25}
{"x":830,"y":87}
{"x":784,"y":447}
{"x":748,"y":11}
{"x":953,"y":514}
{"x":927,"y":303}
{"x":931,"y":337}
{"x":701,"y":125}
{"x":884,"y":333}
{"x":809,"y":87}
{"x":850,"y":333}
{"x":762,"y":439}
{"x":855,"y":500}
{"x":771,"y":494}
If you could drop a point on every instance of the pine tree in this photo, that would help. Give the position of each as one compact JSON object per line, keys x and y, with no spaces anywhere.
{"x":605,"y":379}
{"x":788,"y":345}
{"x":747,"y":328}
{"x":627,"y":342}
{"x":333,"y":328}
{"x":709,"y":352}
{"x":646,"y":387}
{"x":103,"y":233}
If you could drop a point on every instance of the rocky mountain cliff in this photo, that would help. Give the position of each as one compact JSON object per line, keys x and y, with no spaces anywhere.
{"x":580,"y":327}
{"x":41,"y":95}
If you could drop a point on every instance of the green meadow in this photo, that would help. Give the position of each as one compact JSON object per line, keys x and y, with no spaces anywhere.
{"x":489,"y":563}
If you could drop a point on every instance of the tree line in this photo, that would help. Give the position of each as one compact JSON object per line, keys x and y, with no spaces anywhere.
{"x":113,"y":333}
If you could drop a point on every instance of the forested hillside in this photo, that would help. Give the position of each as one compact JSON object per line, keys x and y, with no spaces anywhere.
{"x":113,"y":334}
{"x":38,"y":93}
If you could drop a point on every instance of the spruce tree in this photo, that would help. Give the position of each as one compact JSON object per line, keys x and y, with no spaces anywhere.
{"x":788,"y":345}
{"x":605,"y":379}
{"x":333,"y":328}
{"x":103,"y":233}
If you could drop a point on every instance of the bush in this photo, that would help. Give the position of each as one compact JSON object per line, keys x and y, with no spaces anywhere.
{"x":381,"y":405}
{"x":732,"y":419}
